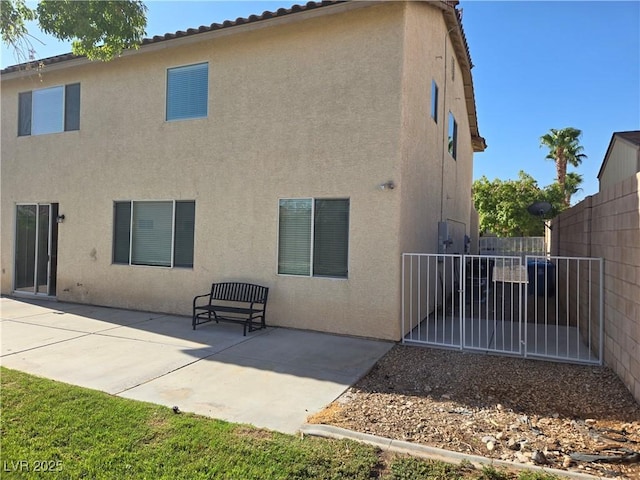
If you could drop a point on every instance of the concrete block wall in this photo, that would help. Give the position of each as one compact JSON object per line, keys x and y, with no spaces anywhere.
{"x":607,"y":225}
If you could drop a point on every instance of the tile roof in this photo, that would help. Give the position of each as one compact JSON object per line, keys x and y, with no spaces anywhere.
{"x":453,"y":19}
{"x":281,"y":12}
{"x":233,"y":23}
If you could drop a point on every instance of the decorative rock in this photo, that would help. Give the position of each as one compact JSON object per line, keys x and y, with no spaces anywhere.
{"x":499,"y":436}
{"x":490,"y":446}
{"x":446,"y":396}
{"x":488,"y":438}
{"x":590,"y":421}
{"x":539,"y":458}
{"x":566,"y":461}
{"x":513,"y":444}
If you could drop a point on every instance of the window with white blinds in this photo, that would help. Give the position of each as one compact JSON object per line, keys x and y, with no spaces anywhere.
{"x":314,"y":237}
{"x":154,"y":233}
{"x":187,"y":91}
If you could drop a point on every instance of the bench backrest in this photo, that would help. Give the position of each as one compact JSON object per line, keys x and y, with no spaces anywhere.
{"x":239,"y":292}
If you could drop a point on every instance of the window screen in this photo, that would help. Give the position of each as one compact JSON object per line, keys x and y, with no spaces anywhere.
{"x":314,"y":237}
{"x":187,"y":91}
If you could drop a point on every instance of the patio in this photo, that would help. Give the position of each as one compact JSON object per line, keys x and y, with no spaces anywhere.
{"x":273,"y":378}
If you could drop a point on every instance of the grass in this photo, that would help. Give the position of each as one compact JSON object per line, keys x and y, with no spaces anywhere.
{"x":56,"y":431}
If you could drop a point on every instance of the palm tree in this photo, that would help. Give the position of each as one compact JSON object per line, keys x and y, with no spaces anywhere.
{"x":564,"y":149}
{"x":571,"y":186}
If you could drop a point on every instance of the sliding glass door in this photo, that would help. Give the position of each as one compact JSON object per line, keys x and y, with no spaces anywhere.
{"x":36,"y":248}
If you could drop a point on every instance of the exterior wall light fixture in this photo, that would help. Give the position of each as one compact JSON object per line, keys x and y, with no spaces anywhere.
{"x":60,"y":219}
{"x":387,"y":185}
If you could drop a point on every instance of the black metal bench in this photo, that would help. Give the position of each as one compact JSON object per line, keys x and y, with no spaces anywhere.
{"x":228,"y":303}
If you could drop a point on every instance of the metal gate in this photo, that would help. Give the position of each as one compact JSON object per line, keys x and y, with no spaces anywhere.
{"x":531,"y":306}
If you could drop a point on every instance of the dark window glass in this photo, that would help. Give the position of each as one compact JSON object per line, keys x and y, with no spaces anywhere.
{"x":24,"y":114}
{"x":184,"y":229}
{"x":331,"y":238}
{"x":121,"y":232}
{"x":72,"y":107}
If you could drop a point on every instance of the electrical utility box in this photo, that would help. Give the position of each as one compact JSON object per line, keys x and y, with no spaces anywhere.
{"x":444,"y":240}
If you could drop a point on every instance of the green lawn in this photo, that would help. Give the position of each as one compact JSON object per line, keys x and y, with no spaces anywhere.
{"x":57,"y":431}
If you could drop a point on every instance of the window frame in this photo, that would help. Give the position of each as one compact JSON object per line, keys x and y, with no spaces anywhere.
{"x":452,"y":137}
{"x":69,"y":111}
{"x":46,"y":108}
{"x":182,"y":117}
{"x":435,"y":91}
{"x":130,"y":234}
{"x":312,"y":238}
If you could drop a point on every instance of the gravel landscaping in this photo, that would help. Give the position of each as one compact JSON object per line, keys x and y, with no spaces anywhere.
{"x":564,"y":416}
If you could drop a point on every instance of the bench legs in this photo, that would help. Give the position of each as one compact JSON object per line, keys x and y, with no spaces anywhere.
{"x":248,"y":323}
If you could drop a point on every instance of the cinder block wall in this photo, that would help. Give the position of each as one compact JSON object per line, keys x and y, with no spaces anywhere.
{"x":607,"y":225}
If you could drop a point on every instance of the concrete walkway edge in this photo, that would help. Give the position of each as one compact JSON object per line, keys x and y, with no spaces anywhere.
{"x":424,"y":451}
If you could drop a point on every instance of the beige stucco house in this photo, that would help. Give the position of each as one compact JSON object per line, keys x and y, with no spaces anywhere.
{"x":304,"y":149}
{"x":622,"y":159}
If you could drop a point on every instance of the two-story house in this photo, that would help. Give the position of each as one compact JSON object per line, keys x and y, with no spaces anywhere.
{"x":304,"y":149}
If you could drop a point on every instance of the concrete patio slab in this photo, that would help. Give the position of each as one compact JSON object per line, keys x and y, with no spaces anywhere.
{"x":273,"y":378}
{"x":21,"y":308}
{"x":19,"y":337}
{"x":103,"y":363}
{"x":177,"y":331}
{"x":80,"y":318}
{"x":275,"y":381}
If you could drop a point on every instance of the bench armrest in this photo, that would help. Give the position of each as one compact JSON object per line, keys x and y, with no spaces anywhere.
{"x":199,"y":296}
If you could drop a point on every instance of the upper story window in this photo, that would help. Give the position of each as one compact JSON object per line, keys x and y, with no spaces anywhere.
{"x":313,"y":237}
{"x":49,"y":110}
{"x":188,"y":91}
{"x":154,"y":233}
{"x":434,"y":101}
{"x":453,"y":136}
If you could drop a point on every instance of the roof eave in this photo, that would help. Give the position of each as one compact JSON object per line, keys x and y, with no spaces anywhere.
{"x":617,"y":136}
{"x":453,"y":22}
{"x":216,"y":30}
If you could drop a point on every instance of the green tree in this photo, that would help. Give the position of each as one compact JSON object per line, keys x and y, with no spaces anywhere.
{"x":564,"y":149}
{"x":502,"y":204}
{"x":99,"y":30}
{"x":571,"y":186}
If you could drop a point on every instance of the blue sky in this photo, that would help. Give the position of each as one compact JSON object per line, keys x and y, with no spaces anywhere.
{"x":538,"y":65}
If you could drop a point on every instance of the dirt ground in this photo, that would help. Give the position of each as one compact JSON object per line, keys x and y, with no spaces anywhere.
{"x":558,"y":415}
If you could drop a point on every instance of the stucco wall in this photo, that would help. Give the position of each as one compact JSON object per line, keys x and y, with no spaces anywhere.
{"x":622,"y":162}
{"x":436,"y":187}
{"x":297,"y":108}
{"x":607,"y":225}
